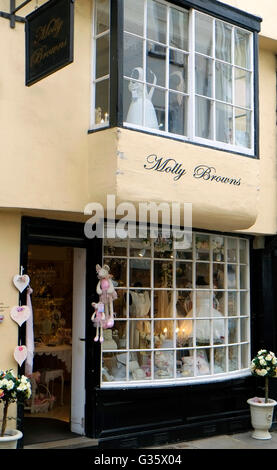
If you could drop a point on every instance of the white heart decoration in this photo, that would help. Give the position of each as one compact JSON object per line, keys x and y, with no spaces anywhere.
{"x":20,"y":313}
{"x":21,"y":282}
{"x":20,"y":354}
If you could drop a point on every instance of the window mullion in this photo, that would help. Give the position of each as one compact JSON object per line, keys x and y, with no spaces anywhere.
{"x":191,"y":75}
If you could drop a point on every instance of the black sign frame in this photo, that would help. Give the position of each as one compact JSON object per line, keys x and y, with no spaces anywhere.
{"x":49,"y":39}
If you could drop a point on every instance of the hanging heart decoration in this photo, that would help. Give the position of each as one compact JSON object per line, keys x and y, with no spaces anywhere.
{"x":21,"y":281}
{"x":20,"y":354}
{"x":20,"y":314}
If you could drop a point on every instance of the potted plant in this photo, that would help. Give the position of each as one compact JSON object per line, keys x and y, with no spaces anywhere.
{"x":12,"y":389}
{"x":264,"y":365}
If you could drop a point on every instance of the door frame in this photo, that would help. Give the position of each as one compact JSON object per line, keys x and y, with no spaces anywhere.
{"x":43,"y":231}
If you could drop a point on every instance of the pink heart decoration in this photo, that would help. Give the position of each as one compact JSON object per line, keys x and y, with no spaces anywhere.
{"x":21,"y":282}
{"x":20,"y":314}
{"x":20,"y":354}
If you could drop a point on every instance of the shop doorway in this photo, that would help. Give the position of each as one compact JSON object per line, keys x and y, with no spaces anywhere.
{"x":58,"y":280}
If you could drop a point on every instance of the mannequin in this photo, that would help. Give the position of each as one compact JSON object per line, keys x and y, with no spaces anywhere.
{"x":141,"y":103}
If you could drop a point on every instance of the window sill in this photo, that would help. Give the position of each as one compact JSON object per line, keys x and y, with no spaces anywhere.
{"x":177,"y":382}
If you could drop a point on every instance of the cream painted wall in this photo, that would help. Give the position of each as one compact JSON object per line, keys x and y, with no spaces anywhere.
{"x":9,"y":295}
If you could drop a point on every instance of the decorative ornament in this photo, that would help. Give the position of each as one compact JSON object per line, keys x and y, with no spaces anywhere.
{"x":20,"y":314}
{"x":106,"y":291}
{"x":20,"y":354}
{"x":98,"y":319}
{"x":21,"y":281}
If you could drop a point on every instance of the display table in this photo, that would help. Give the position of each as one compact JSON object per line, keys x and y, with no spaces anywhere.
{"x":61,"y":351}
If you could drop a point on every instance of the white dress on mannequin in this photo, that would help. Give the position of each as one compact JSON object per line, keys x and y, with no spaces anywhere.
{"x":135,"y":112}
{"x":204,"y":309}
{"x":139,"y":308}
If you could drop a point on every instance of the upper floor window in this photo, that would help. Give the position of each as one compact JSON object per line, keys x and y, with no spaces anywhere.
{"x":186,"y":75}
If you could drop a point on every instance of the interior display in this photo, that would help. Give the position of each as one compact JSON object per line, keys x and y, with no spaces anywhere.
{"x":21,"y":281}
{"x":20,"y":314}
{"x":141,"y":110}
{"x":180,"y":318}
{"x":20,"y":354}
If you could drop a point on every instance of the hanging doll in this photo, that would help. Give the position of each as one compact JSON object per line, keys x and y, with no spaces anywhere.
{"x":98,"y":318}
{"x":106,"y":291}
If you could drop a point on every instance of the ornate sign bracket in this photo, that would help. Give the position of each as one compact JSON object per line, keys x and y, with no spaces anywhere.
{"x":11,"y":15}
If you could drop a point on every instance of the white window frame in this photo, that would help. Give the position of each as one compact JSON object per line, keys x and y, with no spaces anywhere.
{"x":213,"y":376}
{"x":191,"y":137}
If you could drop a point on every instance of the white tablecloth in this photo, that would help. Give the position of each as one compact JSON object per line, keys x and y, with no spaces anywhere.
{"x":62,"y":352}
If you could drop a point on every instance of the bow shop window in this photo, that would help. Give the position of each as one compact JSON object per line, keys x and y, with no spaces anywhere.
{"x":185,"y":74}
{"x":181,"y":315}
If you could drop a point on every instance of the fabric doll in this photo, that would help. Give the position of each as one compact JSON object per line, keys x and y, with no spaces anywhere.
{"x":106,"y":291}
{"x":98,"y":318}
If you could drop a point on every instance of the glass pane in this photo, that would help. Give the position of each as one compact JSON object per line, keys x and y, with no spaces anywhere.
{"x":118,"y":270}
{"x":139,"y":334}
{"x":243,"y":127}
{"x":177,"y":114}
{"x":219,"y":360}
{"x":231,"y":277}
{"x":140,"y":366}
{"x":120,"y":304}
{"x":242,"y":48}
{"x":102,"y":15}
{"x":163,"y":304}
{"x":155,"y":117}
{"x":218,"y":248}
{"x":203,"y":118}
{"x":184,"y":251}
{"x":102,"y":56}
{"x":232,"y":250}
{"x":162,"y":274}
{"x":163,"y":333}
{"x":184,"y":303}
{"x":156,"y":21}
{"x":115,"y":247}
{"x":242,"y":88}
{"x":244,"y":303}
{"x":133,"y":57}
{"x":178,"y":71}
{"x":233,"y":331}
{"x":219,"y":302}
{"x":242,"y":251}
{"x":133,"y":16}
{"x":102,"y":102}
{"x":218,"y":329}
{"x":243,"y":277}
{"x":114,"y":367}
{"x":183,"y":274}
{"x":203,"y":332}
{"x":164,"y":364}
{"x":232,"y":304}
{"x":184,"y":333}
{"x":163,"y":247}
{"x":140,"y":270}
{"x":223,"y":41}
{"x":155,"y":64}
{"x":118,"y":336}
{"x":202,"y":275}
{"x":203,"y":362}
{"x":139,"y":303}
{"x":202,"y":244}
{"x":224,"y":123}
{"x":218,"y":276}
{"x":233,"y":358}
{"x":184,"y":364}
{"x":203,"y":34}
{"x":244,"y":329}
{"x":223,"y":82}
{"x":203,"y":75}
{"x":140,"y":248}
{"x":178,"y":28}
{"x":244,"y":350}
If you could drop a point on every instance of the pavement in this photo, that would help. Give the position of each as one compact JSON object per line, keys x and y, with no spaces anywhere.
{"x":234,"y":441}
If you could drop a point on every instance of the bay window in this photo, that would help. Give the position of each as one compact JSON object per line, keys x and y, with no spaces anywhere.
{"x":182,"y":315}
{"x":183,"y":73}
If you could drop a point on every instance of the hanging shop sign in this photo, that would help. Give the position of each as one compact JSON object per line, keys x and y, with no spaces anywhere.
{"x":49,"y":39}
